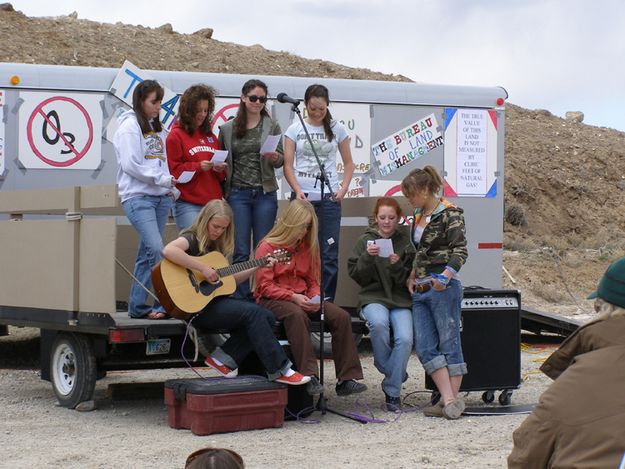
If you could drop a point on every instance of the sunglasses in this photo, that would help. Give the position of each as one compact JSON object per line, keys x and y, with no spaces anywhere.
{"x":253,"y":98}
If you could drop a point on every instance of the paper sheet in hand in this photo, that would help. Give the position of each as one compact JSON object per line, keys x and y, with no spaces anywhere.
{"x":386,"y":247}
{"x":185,"y":177}
{"x":219,"y":156}
{"x":270,"y":144}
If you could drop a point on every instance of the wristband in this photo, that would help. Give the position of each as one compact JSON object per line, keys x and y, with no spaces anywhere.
{"x":440,"y":278}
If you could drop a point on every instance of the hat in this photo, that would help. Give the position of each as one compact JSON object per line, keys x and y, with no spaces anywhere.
{"x":612,"y":285}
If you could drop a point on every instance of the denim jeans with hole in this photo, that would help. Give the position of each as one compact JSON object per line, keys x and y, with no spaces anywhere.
{"x":436,"y":317}
{"x":254,"y":213}
{"x":390,"y":359}
{"x":148,"y":215}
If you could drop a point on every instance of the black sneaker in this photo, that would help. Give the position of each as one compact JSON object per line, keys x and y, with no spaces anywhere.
{"x":393,"y":404}
{"x":314,"y":386}
{"x":350,"y":387}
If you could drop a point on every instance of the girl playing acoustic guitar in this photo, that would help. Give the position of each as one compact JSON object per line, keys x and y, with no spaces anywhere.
{"x":250,"y":326}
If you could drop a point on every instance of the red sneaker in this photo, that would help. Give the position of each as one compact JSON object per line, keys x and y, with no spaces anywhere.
{"x":295,"y":379}
{"x":223,"y":370}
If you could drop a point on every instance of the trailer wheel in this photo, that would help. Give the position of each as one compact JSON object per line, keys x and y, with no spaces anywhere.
{"x":72,"y":369}
{"x":327,"y":342}
{"x":505,"y":397}
{"x":488,"y":396}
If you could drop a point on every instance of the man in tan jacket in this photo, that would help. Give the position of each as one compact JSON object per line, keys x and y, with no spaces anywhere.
{"x":579,"y":421}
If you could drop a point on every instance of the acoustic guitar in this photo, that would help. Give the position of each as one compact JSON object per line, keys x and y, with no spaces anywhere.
{"x":184,"y":291}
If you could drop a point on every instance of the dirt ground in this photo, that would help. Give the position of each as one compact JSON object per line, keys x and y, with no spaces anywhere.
{"x":564,"y":199}
{"x":35,"y":432}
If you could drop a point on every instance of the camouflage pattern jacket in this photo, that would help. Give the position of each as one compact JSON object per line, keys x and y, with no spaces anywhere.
{"x":443,"y":242}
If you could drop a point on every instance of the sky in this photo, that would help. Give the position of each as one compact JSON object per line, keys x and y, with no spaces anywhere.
{"x":559,"y":55}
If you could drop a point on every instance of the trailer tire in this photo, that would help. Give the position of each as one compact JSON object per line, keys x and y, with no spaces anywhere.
{"x":73,"y":369}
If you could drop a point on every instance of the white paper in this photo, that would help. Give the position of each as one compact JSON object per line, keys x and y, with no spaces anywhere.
{"x":185,"y":177}
{"x":313,"y":196}
{"x":315,"y":299}
{"x":270,"y":144}
{"x":219,"y":156}
{"x":386,"y":247}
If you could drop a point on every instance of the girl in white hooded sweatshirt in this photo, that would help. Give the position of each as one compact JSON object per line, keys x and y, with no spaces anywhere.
{"x":146,"y":188}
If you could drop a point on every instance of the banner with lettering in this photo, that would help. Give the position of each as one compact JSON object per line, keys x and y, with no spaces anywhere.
{"x":407,"y":145}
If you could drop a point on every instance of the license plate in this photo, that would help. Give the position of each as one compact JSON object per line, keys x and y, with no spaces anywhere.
{"x":157,"y":346}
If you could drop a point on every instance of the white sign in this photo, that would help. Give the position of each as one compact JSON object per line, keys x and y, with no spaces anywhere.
{"x":471,"y":146}
{"x":356,"y":187}
{"x":406,"y":145}
{"x":470,"y":153}
{"x":2,"y":141}
{"x":60,"y":130}
{"x":125,"y":82}
{"x":384,"y":188}
{"x":225,"y":110}
{"x":357,"y":121}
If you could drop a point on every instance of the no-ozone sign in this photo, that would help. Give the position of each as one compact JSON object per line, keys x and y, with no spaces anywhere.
{"x":60,"y":131}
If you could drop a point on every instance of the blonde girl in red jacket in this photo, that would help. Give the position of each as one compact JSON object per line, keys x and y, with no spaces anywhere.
{"x":291,"y":291}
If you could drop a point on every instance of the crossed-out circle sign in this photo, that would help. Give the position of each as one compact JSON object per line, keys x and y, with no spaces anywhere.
{"x":63,"y":127}
{"x":224,"y":113}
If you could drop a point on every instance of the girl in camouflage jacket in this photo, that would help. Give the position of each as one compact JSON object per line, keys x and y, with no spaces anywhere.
{"x":438,"y":234}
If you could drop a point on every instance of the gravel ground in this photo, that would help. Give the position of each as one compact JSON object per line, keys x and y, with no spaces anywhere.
{"x":35,"y":432}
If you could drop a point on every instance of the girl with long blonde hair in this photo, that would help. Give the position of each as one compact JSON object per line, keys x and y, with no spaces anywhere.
{"x":291,"y":292}
{"x":250,"y":325}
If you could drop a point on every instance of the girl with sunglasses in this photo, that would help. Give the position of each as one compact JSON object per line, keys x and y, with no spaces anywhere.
{"x":251,"y":185}
{"x":329,"y":137}
{"x":291,"y":292}
{"x":191,"y":144}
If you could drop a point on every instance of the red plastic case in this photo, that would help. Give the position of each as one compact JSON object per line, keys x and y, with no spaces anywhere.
{"x":218,"y":405}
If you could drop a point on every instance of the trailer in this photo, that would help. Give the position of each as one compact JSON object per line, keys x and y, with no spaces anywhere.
{"x":65,"y":241}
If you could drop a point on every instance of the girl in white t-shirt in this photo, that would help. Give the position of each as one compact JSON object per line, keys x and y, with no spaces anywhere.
{"x":301,"y":170}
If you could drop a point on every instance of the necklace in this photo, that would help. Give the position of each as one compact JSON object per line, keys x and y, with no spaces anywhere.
{"x":428,"y":216}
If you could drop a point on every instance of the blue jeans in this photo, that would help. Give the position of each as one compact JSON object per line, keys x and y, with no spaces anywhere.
{"x":390,"y":360}
{"x":254,"y":215}
{"x":436,"y":317}
{"x":329,"y":214}
{"x":148,"y":215}
{"x":185,"y":213}
{"x":250,"y":328}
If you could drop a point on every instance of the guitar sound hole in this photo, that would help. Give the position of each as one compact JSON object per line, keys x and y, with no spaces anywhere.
{"x":206,"y":288}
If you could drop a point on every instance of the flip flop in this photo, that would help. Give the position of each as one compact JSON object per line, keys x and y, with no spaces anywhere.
{"x":156,"y":315}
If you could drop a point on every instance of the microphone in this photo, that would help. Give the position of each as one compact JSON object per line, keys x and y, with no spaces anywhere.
{"x":284,"y":98}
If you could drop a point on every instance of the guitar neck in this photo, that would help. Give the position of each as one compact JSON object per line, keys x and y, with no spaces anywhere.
{"x":240,"y":267}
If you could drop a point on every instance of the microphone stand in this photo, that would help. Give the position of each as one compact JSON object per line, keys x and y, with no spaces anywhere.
{"x":322,"y":403}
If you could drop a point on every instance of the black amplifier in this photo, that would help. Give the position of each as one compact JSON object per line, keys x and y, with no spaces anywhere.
{"x":491,"y":342}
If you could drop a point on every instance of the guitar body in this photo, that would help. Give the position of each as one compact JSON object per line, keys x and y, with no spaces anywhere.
{"x":184,"y":291}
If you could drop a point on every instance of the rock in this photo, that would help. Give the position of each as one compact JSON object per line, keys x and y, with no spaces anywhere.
{"x":205,"y":33}
{"x":542,"y":113}
{"x":621,"y":185}
{"x":167,"y":28}
{"x":6,"y":7}
{"x":73,"y":15}
{"x":574,"y":116}
{"x":85,"y":406}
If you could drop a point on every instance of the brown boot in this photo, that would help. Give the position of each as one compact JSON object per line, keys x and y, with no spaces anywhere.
{"x":434,"y":410}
